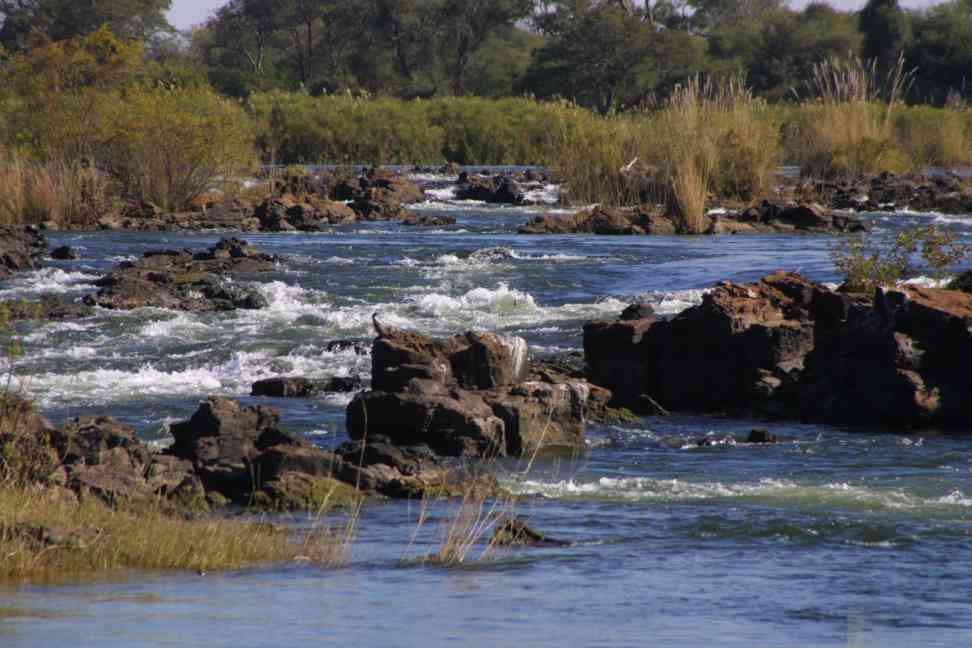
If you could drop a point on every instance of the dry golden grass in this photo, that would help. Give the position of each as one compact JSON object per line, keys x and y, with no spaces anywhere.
{"x":44,"y":537}
{"x":65,"y":194}
{"x":848,"y":127}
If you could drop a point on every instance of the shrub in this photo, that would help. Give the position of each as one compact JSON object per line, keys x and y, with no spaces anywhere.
{"x":172,"y":145}
{"x":865,"y":264}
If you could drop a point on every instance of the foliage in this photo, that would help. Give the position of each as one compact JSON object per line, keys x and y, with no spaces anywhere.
{"x":865,"y":265}
{"x":27,"y":21}
{"x":174,"y":145}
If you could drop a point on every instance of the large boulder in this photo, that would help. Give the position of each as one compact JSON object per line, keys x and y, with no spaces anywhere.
{"x":489,"y":188}
{"x":738,"y":346}
{"x":902,"y":362}
{"x":788,"y":348}
{"x":467,"y":395}
{"x":223,"y":440}
{"x":476,"y":360}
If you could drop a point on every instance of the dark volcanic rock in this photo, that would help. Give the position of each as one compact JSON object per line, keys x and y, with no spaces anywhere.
{"x":223,"y":439}
{"x":788,"y":348}
{"x":297,"y":387}
{"x":181,"y":280}
{"x":491,"y":189}
{"x":467,"y":395}
{"x":20,"y":249}
{"x":64,"y":253}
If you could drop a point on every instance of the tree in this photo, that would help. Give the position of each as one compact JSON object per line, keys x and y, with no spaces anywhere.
{"x":598,"y":55}
{"x":469,"y":23}
{"x":54,"y":20}
{"x":886,"y":29}
{"x":941,"y":50}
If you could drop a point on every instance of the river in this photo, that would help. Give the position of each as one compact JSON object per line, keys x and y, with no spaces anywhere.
{"x":836,"y":537}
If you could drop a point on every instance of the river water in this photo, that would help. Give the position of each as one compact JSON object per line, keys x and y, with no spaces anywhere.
{"x":837,"y":537}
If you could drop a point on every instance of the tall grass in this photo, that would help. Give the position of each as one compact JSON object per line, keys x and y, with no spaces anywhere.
{"x":44,"y":537}
{"x":706,"y":140}
{"x":66,"y":194}
{"x":847,"y":127}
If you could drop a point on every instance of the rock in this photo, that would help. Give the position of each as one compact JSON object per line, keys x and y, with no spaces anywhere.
{"x":901,"y":362}
{"x":761,"y":436}
{"x":711,"y":357}
{"x":64,"y":253}
{"x":466,"y":396}
{"x":514,"y":532}
{"x":292,"y":491}
{"x":427,"y":220}
{"x":181,"y":280}
{"x":50,"y":308}
{"x":784,"y":347}
{"x":491,"y":189}
{"x":296,"y":387}
{"x":223,"y":440}
{"x":637,"y":312}
{"x":21,"y":248}
{"x":475,"y":360}
{"x":293,"y":387}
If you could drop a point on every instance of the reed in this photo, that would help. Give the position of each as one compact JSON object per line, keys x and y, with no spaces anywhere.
{"x":847,"y":128}
{"x":65,"y":194}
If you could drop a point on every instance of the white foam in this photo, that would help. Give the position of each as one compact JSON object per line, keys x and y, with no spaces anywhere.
{"x":764,"y":490}
{"x":672,"y":302}
{"x":49,"y":281}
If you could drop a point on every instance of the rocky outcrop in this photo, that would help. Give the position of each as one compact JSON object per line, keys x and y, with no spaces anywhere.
{"x":21,"y":248}
{"x":223,"y":440}
{"x":427,"y":220}
{"x":947,"y":193}
{"x":785,"y":347}
{"x":766,"y":218}
{"x":467,"y":395}
{"x":95,"y":456}
{"x":287,"y":214}
{"x":181,"y":280}
{"x":489,"y":188}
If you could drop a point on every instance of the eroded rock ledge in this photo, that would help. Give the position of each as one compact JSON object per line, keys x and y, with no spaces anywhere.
{"x":785,"y":347}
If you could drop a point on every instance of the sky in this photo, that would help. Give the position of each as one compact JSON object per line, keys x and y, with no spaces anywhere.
{"x":186,"y":13}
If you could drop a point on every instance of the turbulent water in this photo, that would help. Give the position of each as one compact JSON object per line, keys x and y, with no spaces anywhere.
{"x":836,"y":537}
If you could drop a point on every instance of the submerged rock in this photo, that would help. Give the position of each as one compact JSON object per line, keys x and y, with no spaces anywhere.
{"x":64,"y":253}
{"x":514,"y":532}
{"x":181,"y":280}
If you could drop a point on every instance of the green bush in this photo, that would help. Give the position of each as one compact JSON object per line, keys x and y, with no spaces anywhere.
{"x":865,"y":264}
{"x":172,"y":145}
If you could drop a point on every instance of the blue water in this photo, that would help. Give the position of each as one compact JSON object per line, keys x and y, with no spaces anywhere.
{"x":836,"y":537}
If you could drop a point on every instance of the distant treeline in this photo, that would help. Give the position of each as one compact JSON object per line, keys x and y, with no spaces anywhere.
{"x":606,"y":55}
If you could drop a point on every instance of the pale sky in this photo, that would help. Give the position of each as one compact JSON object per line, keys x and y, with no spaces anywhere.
{"x":186,"y":13}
